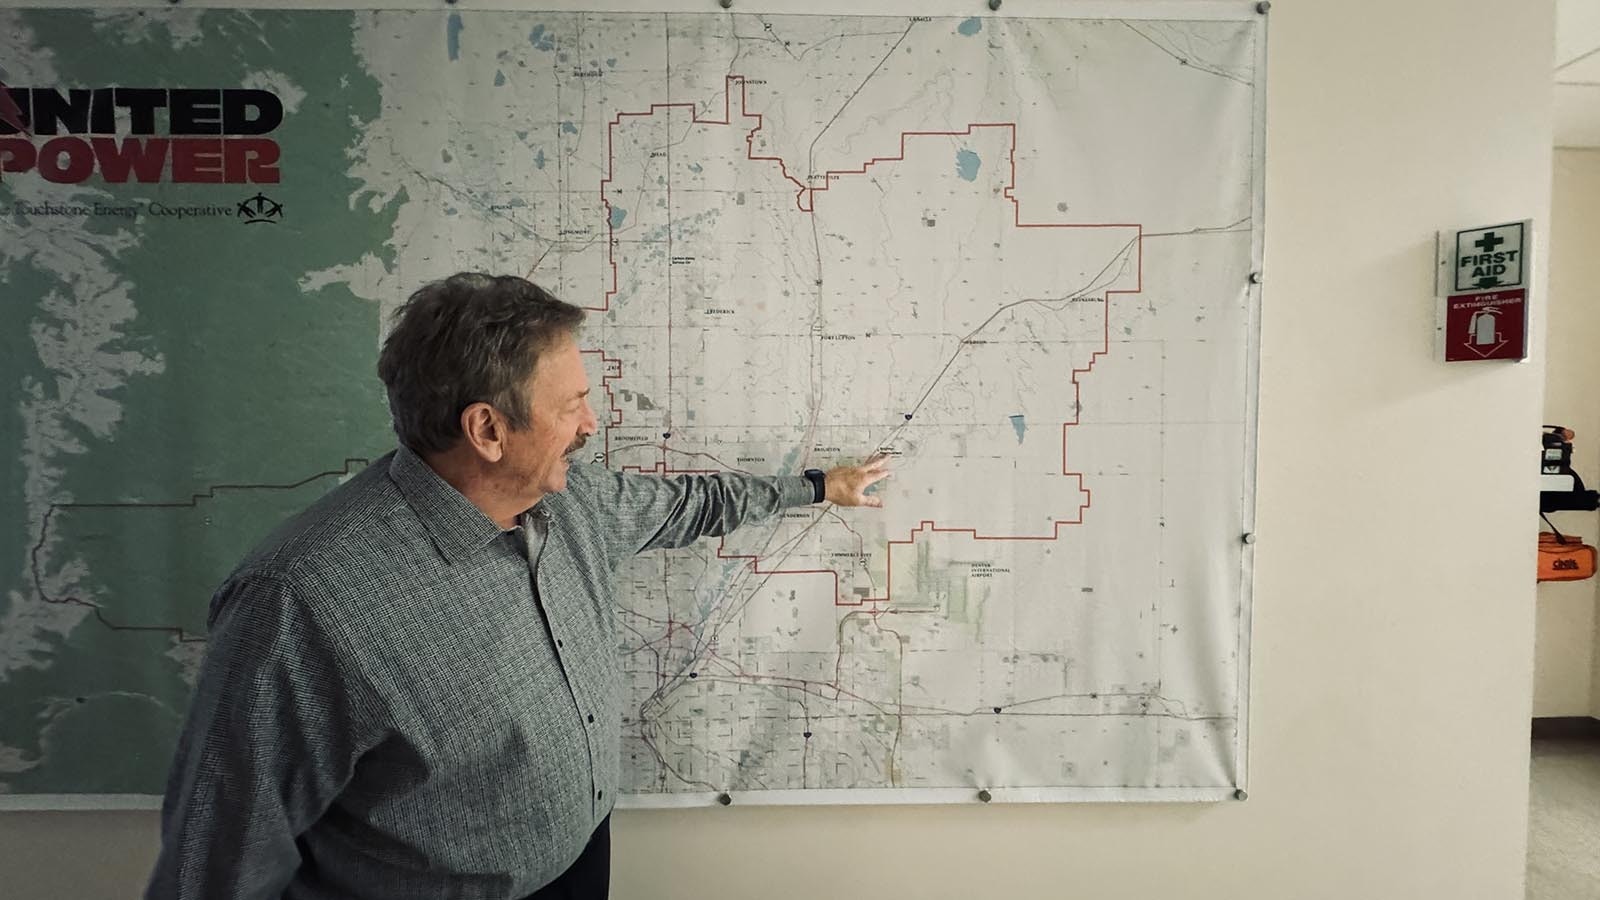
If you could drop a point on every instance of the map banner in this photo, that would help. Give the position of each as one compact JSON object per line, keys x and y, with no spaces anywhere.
{"x":1016,"y":254}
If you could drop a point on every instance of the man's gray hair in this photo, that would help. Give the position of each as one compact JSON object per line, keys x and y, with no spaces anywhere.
{"x":469,"y":338}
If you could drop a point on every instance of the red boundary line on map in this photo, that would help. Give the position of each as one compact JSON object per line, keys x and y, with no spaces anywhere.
{"x":805,"y":199}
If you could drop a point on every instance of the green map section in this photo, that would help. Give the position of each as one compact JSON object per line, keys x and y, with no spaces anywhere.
{"x":263,"y":388}
{"x":162,"y":557}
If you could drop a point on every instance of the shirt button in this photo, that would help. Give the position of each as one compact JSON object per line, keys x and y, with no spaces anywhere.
{"x":591,"y":718}
{"x":558,"y":643}
{"x":599,"y":794}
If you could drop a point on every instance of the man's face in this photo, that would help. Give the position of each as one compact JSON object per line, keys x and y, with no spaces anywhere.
{"x":561,"y":420}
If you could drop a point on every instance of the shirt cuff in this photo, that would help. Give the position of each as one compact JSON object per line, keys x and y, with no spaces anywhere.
{"x":795,"y":490}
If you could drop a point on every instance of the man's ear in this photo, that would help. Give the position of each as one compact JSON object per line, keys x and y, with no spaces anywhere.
{"x":484,"y":430}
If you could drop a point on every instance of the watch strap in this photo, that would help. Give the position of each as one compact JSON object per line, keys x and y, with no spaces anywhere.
{"x":819,"y":484}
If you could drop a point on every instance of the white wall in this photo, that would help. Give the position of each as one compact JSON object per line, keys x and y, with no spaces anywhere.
{"x":1565,"y":664}
{"x":1393,"y":650}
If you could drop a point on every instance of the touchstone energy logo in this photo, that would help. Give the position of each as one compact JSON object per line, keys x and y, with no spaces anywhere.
{"x":145,"y":135}
{"x":260,"y":209}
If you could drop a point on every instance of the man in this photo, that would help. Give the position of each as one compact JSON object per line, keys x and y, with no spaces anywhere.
{"x":412,"y":689}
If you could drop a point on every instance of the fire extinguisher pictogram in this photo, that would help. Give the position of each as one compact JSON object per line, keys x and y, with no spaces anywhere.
{"x":1485,"y":327}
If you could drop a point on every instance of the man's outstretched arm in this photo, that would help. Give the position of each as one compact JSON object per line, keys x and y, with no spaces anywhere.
{"x":651,"y":513}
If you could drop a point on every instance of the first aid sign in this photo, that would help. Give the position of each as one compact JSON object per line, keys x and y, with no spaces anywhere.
{"x":1484,"y":291}
{"x":1490,"y":258}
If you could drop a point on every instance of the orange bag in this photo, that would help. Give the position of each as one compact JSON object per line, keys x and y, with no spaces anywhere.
{"x":1564,"y":559}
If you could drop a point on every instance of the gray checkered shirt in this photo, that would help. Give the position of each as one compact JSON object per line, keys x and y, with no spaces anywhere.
{"x":397,"y":703}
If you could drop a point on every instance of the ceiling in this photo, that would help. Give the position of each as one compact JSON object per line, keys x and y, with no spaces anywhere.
{"x":1577,"y":74}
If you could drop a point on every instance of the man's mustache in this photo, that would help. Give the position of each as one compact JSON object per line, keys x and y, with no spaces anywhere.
{"x":577,"y":445}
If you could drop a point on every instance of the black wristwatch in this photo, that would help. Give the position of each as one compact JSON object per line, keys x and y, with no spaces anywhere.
{"x":819,"y":484}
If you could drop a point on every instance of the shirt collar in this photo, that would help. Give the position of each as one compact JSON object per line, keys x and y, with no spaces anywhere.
{"x":456,"y":526}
